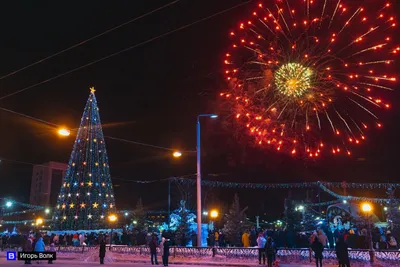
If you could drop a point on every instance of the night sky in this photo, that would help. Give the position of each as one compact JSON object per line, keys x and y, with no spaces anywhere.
{"x":150,"y":94}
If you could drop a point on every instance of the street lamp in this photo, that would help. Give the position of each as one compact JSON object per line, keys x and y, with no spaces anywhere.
{"x":367,"y":209}
{"x":214,"y":214}
{"x":9,"y":204}
{"x":112,"y":218}
{"x":39,"y":221}
{"x":198,"y":180}
{"x":47,"y":211}
{"x":177,"y":154}
{"x":64,"y":132}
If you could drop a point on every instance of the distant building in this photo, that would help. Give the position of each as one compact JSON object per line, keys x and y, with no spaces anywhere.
{"x":46,"y":183}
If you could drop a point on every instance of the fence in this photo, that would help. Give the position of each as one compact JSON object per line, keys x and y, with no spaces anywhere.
{"x":252,"y":253}
{"x":298,"y":254}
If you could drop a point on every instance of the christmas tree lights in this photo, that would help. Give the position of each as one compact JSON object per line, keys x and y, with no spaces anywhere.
{"x":86,"y":197}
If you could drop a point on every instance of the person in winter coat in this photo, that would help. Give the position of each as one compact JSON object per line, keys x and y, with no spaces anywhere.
{"x":165,"y":252}
{"x":27,"y":247}
{"x":246,"y":239}
{"x":261,"y":247}
{"x":342,"y":252}
{"x":39,"y":246}
{"x":153,"y":250}
{"x":75,"y":240}
{"x":102,"y":250}
{"x":161,"y":246}
{"x":81,"y":239}
{"x":270,"y":250}
{"x":322,"y":238}
{"x":318,"y":248}
{"x":56,"y":239}
{"x":52,"y":249}
{"x":216,"y":237}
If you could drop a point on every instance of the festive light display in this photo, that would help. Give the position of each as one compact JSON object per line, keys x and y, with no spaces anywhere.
{"x":86,"y":196}
{"x":367,"y":186}
{"x":324,"y":186}
{"x":308,"y":76}
{"x":354,"y":198}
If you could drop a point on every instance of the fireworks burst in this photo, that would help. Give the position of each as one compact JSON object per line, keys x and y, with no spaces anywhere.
{"x":306,"y":76}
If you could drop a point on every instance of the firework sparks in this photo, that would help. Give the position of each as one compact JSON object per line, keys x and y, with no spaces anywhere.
{"x":305,"y":76}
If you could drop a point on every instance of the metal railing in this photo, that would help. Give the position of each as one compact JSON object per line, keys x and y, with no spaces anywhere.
{"x":285,"y":254}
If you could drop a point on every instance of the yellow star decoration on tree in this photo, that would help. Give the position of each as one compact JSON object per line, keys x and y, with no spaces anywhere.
{"x":90,"y":183}
{"x":95,"y":205}
{"x":83,"y":205}
{"x":92,"y":90}
{"x":71,"y":206}
{"x":63,"y":206}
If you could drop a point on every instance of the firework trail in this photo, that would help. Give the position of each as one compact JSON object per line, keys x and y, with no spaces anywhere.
{"x":308,"y":76}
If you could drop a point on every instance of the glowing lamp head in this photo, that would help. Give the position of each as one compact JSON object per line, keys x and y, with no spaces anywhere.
{"x":47,"y":211}
{"x":214,"y":214}
{"x":214,"y":116}
{"x":39,"y":221}
{"x":64,"y":132}
{"x":112,"y":218}
{"x":177,"y":154}
{"x":366,"y":207}
{"x":9,"y":204}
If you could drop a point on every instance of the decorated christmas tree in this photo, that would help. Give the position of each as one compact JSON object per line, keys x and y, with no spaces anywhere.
{"x":236,"y":223}
{"x":140,"y":217}
{"x":182,"y":219}
{"x":86,"y":197}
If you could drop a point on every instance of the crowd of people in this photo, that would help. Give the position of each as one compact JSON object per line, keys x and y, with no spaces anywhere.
{"x":267,"y":242}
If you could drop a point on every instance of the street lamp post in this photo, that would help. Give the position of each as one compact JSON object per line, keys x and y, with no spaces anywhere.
{"x":198,"y":180}
{"x":39,"y":222}
{"x":367,"y":209}
{"x":112,"y":218}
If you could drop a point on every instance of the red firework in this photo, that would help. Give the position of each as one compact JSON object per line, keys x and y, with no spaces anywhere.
{"x":308,"y":76}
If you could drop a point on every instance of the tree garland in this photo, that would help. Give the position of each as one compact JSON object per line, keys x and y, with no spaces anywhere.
{"x":353,"y":198}
{"x":266,"y":186}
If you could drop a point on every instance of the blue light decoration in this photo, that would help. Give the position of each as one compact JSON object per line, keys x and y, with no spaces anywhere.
{"x":82,"y":202}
